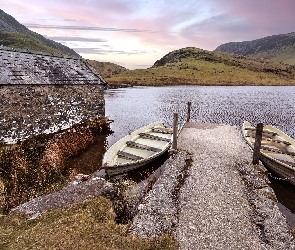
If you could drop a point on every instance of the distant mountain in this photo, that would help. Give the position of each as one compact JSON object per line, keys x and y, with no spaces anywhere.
{"x":14,"y":34}
{"x":106,"y":69}
{"x":276,"y":48}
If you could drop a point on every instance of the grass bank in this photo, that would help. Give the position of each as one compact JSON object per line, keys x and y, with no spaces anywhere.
{"x":88,"y":225}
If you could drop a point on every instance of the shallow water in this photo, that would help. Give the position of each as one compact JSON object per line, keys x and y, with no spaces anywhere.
{"x":132,"y":108}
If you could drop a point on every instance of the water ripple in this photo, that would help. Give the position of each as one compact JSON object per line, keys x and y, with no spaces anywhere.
{"x":132,"y":108}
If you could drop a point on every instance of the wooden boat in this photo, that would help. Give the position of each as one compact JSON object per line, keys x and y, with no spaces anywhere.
{"x":277,"y":150}
{"x":137,"y":149}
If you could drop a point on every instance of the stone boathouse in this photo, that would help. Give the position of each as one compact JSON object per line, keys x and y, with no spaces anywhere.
{"x":44,"y":93}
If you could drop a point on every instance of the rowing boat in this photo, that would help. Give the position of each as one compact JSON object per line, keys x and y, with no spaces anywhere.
{"x":277,"y":150}
{"x":137,"y":149}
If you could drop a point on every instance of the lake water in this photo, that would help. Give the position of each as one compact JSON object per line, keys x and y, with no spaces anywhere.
{"x":131,"y":108}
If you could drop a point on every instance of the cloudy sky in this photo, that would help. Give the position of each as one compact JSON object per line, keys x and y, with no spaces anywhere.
{"x":136,"y":33}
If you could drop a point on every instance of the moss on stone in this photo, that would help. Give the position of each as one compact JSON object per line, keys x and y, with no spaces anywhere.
{"x":42,"y":164}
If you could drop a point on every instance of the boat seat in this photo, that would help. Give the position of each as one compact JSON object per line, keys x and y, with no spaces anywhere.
{"x":272,"y":140}
{"x":292,"y":164}
{"x":129,"y":156}
{"x":283,"y":158}
{"x":264,"y":131}
{"x":163,"y":130}
{"x":154,"y":137}
{"x":277,"y":150}
{"x":275,"y":140}
{"x":142,"y":146}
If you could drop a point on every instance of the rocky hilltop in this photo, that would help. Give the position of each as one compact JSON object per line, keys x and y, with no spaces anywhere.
{"x":276,"y":47}
{"x":106,"y":69}
{"x":14,"y":34}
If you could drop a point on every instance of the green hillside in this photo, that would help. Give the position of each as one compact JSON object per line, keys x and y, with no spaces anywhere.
{"x":285,"y":55}
{"x":22,"y":41}
{"x":200,"y":67}
{"x":14,"y":34}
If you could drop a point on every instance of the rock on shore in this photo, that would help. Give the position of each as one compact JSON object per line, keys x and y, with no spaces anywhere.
{"x":78,"y":190}
{"x":158,"y":214}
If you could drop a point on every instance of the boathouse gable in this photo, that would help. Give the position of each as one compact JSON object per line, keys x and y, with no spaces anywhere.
{"x":43,"y":93}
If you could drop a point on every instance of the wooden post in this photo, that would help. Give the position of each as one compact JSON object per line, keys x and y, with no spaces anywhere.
{"x":188,"y":111}
{"x":257,"y":144}
{"x":175,"y":131}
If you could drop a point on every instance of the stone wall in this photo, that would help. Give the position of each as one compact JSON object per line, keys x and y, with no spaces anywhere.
{"x":28,"y":110}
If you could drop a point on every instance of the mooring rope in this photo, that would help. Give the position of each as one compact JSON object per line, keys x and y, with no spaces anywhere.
{"x":281,"y":179}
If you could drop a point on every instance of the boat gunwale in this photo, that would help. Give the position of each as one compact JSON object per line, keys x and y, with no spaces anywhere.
{"x":121,"y":144}
{"x":139,"y":162}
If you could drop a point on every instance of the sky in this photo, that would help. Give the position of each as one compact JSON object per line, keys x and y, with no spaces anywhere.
{"x":136,"y":33}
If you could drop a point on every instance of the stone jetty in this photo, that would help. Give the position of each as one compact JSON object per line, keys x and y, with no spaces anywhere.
{"x":211,"y":196}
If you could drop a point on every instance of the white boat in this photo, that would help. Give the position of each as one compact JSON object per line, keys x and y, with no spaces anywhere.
{"x":137,"y":149}
{"x":277,"y":150}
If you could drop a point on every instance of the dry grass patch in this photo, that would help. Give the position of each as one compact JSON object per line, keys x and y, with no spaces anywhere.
{"x":88,"y":225}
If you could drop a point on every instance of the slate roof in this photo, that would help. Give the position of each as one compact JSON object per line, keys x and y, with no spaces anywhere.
{"x":20,"y":66}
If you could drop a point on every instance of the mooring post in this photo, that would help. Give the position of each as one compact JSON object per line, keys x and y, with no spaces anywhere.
{"x":188,"y":111}
{"x":257,"y":144}
{"x":175,"y":130}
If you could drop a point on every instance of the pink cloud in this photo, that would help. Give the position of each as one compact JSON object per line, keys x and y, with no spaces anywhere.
{"x":234,"y":20}
{"x":268,"y":17}
{"x":161,"y":25}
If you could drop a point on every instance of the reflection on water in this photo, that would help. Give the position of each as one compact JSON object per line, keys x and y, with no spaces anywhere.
{"x":285,"y":194}
{"x":132,"y":108}
{"x":146,"y":175}
{"x":90,"y":160}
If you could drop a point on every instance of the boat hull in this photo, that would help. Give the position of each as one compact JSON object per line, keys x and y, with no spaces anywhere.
{"x":154,"y":140}
{"x":281,"y":169}
{"x":121,"y":169}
